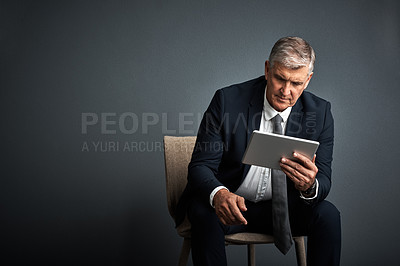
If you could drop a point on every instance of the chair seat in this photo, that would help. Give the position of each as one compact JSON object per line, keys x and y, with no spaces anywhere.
{"x":249,"y":238}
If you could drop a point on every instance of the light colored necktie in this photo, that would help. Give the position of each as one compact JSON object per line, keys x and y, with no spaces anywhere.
{"x":280,"y":212}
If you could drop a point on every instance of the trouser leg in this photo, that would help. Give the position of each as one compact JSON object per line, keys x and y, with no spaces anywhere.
{"x":208,"y":233}
{"x":324,"y":242}
{"x":208,"y":241}
{"x":323,"y":228}
{"x":320,"y":223}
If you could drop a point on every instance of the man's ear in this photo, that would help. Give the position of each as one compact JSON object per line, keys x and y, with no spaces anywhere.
{"x":308,"y":79}
{"x":267,"y":65}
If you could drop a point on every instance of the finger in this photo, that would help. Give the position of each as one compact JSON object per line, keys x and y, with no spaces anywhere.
{"x":289,"y":172}
{"x":241,"y":204}
{"x":222,"y":219}
{"x":224,"y":213}
{"x":241,"y":207}
{"x":301,"y":182}
{"x":295,"y":168}
{"x":310,"y":167}
{"x":238,"y":215}
{"x":305,"y":161}
{"x":229,"y":217}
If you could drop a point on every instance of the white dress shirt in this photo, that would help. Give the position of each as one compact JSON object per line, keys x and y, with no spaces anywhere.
{"x":257,"y":184}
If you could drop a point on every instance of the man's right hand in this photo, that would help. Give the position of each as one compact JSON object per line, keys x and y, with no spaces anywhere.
{"x":228,"y":207}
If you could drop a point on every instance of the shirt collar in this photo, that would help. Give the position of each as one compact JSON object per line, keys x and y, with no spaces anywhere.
{"x":269,"y":112}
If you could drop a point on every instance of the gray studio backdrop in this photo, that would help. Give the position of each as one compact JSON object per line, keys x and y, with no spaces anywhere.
{"x":89,"y":88}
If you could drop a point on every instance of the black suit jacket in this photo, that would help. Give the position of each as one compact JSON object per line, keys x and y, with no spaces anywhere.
{"x":224,"y":132}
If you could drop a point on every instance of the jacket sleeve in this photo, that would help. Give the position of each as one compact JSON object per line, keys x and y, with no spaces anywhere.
{"x":324,"y":155}
{"x":208,"y":150}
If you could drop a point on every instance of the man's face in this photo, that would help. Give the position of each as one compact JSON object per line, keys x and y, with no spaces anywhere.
{"x":285,"y":85}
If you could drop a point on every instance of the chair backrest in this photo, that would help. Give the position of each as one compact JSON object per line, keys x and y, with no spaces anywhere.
{"x":177,"y":155}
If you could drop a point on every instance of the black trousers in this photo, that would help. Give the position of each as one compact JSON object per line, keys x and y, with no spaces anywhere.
{"x":321,"y":223}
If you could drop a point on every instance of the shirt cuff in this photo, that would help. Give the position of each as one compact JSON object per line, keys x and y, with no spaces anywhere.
{"x":215,"y":192}
{"x":316,"y":191}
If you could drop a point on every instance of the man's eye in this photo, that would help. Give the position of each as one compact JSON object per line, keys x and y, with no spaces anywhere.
{"x":297,"y":83}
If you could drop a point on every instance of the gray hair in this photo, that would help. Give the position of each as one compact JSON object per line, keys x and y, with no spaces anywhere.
{"x":293,"y":53}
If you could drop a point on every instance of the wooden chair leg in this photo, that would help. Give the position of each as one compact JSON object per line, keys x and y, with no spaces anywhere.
{"x":300,"y":251}
{"x":183,"y":258}
{"x":251,"y":255}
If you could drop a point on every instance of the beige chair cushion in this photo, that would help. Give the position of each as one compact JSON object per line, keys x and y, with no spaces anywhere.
{"x":178,"y":151}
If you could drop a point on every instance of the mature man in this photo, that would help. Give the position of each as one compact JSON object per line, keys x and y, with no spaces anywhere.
{"x":224,"y":196}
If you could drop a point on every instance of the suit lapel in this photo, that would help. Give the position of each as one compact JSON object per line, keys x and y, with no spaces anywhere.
{"x":255,"y":110}
{"x":254,"y":114}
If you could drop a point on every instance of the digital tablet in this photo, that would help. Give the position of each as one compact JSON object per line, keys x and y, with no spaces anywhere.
{"x":266,"y":149}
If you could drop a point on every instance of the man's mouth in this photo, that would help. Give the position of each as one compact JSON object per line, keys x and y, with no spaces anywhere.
{"x":282,"y":99}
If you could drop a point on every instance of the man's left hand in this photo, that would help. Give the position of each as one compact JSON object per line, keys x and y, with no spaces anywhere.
{"x":302,"y":171}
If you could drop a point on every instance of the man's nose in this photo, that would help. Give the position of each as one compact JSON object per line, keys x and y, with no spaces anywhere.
{"x":285,"y":90}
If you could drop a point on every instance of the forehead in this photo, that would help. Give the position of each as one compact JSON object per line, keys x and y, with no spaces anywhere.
{"x":299,"y":74}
